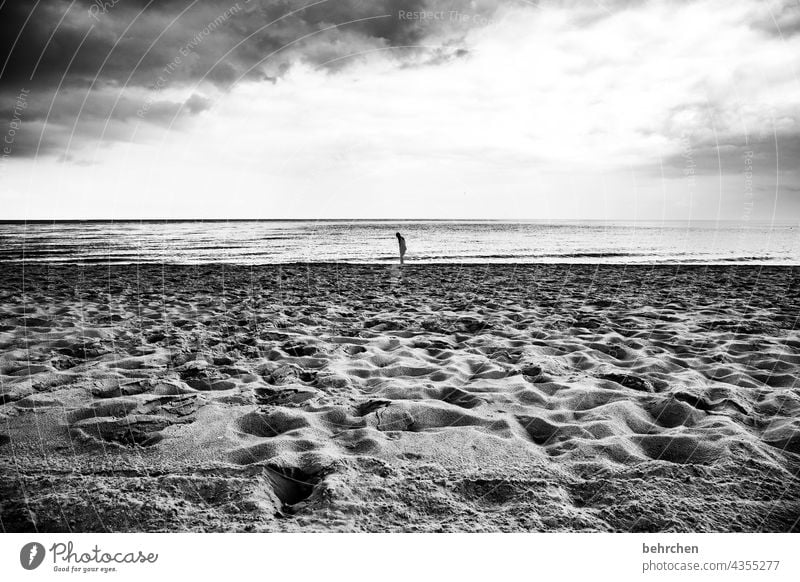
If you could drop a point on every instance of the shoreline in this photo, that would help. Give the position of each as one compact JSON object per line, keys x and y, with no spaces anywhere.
{"x":394,"y":263}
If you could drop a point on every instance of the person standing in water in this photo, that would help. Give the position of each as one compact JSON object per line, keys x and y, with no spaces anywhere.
{"x":402,"y":242}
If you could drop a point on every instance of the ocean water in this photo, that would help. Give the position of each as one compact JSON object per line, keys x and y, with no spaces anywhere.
{"x":265,"y":242}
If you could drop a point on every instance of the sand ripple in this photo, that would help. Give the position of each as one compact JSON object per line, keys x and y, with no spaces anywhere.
{"x":431,"y":398}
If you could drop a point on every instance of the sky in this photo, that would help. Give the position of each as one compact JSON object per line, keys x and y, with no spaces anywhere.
{"x":514,"y":109}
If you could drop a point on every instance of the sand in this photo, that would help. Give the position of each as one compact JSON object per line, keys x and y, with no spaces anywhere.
{"x":374,"y":398}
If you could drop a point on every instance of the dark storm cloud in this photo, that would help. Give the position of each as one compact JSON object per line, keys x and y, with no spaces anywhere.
{"x":124,"y":34}
{"x":83,"y":60}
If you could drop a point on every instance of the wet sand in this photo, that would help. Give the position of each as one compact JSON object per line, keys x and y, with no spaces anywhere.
{"x":370,"y":398}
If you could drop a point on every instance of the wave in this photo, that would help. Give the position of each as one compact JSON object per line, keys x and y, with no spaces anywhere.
{"x":589,"y":255}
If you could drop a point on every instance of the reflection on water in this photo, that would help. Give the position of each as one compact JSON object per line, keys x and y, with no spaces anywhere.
{"x":262,"y":242}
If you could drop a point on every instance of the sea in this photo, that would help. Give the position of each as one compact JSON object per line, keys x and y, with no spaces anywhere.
{"x":257,"y":242}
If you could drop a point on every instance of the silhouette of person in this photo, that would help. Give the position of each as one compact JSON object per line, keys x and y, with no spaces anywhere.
{"x":402,"y":242}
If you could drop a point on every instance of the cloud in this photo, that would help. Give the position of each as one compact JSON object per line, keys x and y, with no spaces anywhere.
{"x":135,"y":39}
{"x":781,"y":19}
{"x":64,"y":50}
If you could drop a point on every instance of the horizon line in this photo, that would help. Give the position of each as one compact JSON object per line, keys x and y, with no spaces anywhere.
{"x":488,"y":220}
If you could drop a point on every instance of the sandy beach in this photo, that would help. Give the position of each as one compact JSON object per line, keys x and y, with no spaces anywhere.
{"x":374,"y":398}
